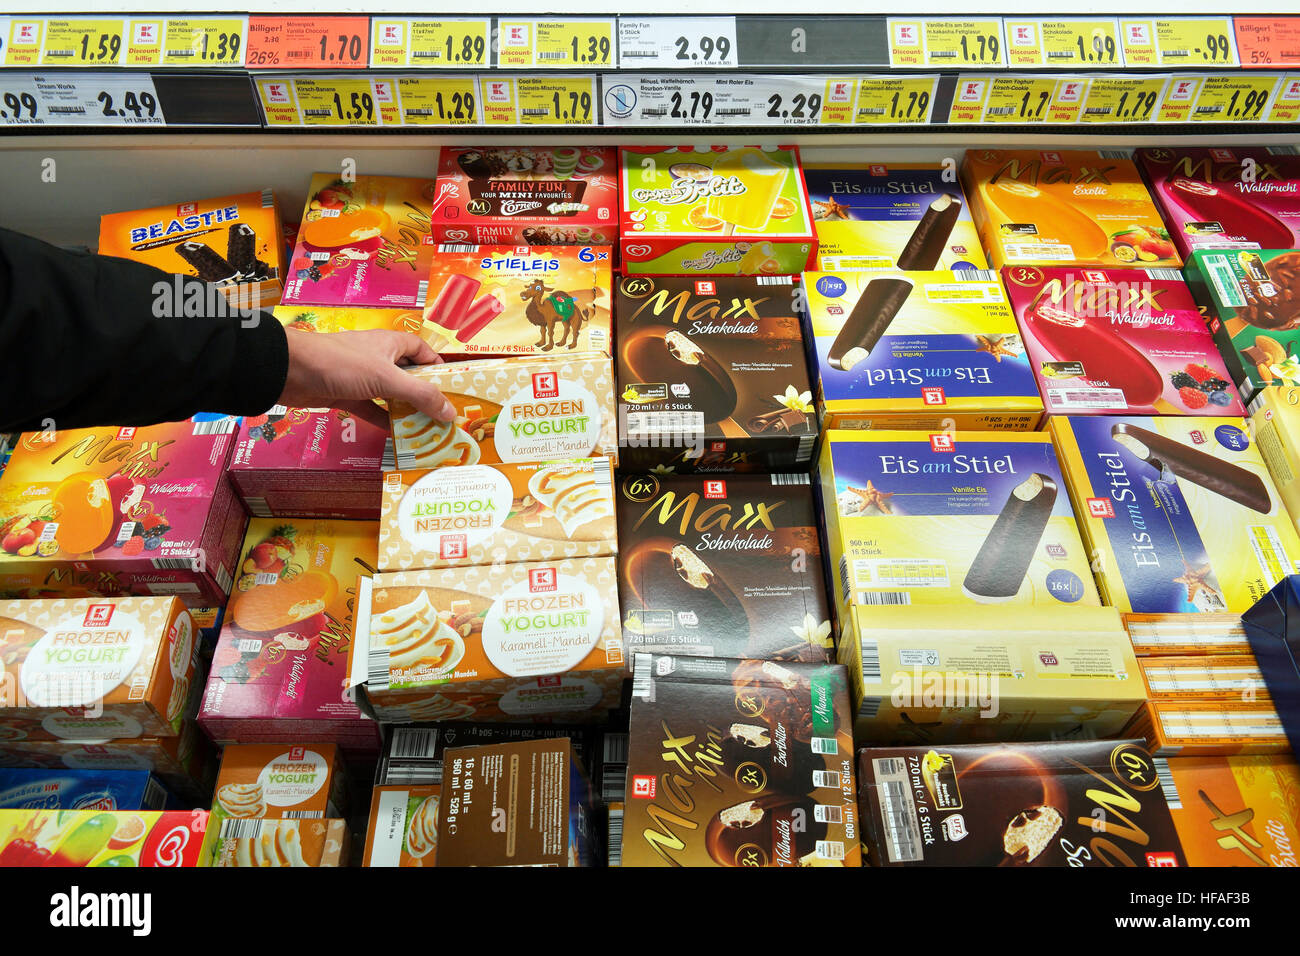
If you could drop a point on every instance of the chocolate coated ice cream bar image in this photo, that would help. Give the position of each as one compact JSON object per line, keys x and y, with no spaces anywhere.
{"x":206,"y":262}
{"x":999,"y":568}
{"x":1174,"y":459}
{"x":930,"y":237}
{"x":879,"y":303}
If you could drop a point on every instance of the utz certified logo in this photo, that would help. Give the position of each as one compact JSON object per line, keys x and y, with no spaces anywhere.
{"x":715,"y":488}
{"x":98,"y":615}
{"x":541,"y":580}
{"x":546,"y":385}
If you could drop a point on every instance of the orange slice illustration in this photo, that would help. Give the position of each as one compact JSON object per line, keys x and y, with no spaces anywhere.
{"x":698,"y":218}
{"x":784,"y":209}
{"x":337,"y":231}
{"x":270,"y":607}
{"x":85,"y":512}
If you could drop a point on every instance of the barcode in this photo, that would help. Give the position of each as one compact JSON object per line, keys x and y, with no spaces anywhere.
{"x":457,"y":247}
{"x":870,"y":659}
{"x":173,"y":564}
{"x":414,"y":775}
{"x":224,"y":580}
{"x":882,"y":597}
{"x":826,"y":778}
{"x":390,"y":458}
{"x":241,"y":829}
{"x":660,"y":111}
{"x":635,"y":53}
{"x":825,"y":814}
{"x":1165,"y":275}
{"x":643,"y":685}
{"x":825,"y":745}
{"x":249,"y":645}
{"x":258,"y":507}
{"x":154,"y":795}
{"x":940,"y":54}
{"x":68,"y":109}
{"x":891,"y":767}
{"x":975,"y":275}
{"x":419,"y":112}
{"x":804,"y":451}
{"x":551,"y":55}
{"x":1001,"y":110}
{"x":900,"y":827}
{"x":431,"y":54}
{"x":422,"y":292}
{"x":615,"y":748}
{"x":377,"y":668}
{"x":304,"y":814}
{"x":268,"y":198}
{"x":1200,"y":110}
{"x":298,"y":54}
{"x":541,"y":112}
{"x":872,"y":111}
{"x":830,"y":849}
{"x":178,"y":53}
{"x":1088,"y":397}
{"x":797,"y":479}
{"x":1113,"y":153}
{"x":870,"y":707}
{"x":60,"y":52}
{"x":602,"y":475}
{"x":1096,"y":110}
{"x":613,"y":786}
{"x":1167,"y":785}
{"x":414,"y":743}
{"x":615,"y":836}
{"x":846,"y":588}
{"x":1171,"y":53}
{"x":733,"y":112}
{"x":315,"y":112}
{"x":776,"y":280}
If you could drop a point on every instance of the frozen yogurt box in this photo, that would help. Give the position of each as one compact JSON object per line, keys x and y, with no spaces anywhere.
{"x":286,"y":781}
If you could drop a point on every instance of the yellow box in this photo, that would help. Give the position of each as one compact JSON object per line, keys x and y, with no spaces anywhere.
{"x":1275,"y":416}
{"x":1180,"y":728}
{"x":964,"y":518}
{"x":983,"y":674}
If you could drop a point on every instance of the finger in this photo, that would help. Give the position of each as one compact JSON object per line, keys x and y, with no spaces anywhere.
{"x":413,"y":350}
{"x":424,"y":397}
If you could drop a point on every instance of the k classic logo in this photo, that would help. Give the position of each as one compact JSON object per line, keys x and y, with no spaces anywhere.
{"x":76,"y":909}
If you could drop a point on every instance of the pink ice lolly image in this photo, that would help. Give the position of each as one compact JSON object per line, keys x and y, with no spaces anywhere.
{"x":450,"y":308}
{"x":480,"y":314}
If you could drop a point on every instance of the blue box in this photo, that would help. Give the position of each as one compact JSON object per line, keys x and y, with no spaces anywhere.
{"x":23,"y":789}
{"x":1273,"y":629}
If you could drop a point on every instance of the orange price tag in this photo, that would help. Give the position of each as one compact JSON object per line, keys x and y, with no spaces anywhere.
{"x":308,"y":43}
{"x":1268,"y":41}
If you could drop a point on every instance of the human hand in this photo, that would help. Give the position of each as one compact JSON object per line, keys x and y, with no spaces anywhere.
{"x":326,"y":368}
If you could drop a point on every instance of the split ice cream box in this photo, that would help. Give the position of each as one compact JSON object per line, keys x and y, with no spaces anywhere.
{"x":126,"y":664}
{"x":492,"y":514}
{"x":1118,"y":341}
{"x":1225,"y":197}
{"x":1065,"y":207}
{"x":508,"y":410}
{"x":1084,"y":803}
{"x":1253,"y":312}
{"x":527,"y":195}
{"x":736,"y":763}
{"x":907,"y":216}
{"x":497,"y":300}
{"x":722,"y":567}
{"x":712,"y":374}
{"x":495,"y":642}
{"x":724,"y":211}
{"x":918,"y":350}
{"x":232,"y":242}
{"x":1180,"y":513}
{"x":112,"y":838}
{"x":964,"y":518}
{"x":282,"y":661}
{"x":364,"y":241}
{"x":110,"y":511}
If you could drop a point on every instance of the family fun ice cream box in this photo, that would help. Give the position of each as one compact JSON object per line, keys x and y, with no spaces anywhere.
{"x":1181,"y":513}
{"x":1119,"y":341}
{"x":1065,"y":207}
{"x":527,"y":195}
{"x":726,"y":211}
{"x":105,"y":511}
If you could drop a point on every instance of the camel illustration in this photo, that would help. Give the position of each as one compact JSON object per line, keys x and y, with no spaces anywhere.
{"x":549,"y":307}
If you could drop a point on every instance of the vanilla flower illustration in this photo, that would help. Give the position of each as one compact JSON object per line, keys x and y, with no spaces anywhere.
{"x":1288,"y":371}
{"x":662,"y":470}
{"x":795,"y":400}
{"x":810,"y":632}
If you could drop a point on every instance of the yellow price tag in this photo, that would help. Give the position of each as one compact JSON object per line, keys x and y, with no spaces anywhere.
{"x":946,"y":43}
{"x":1203,"y":41}
{"x":204,"y":43}
{"x":24,"y":42}
{"x":837,"y":101}
{"x":439,"y":44}
{"x":1180,"y":96}
{"x":1064,"y":43}
{"x":336,"y":101}
{"x":82,"y":42}
{"x":144,"y":42}
{"x":894,"y":100}
{"x":1018,"y":99}
{"x":1244,"y":98}
{"x":556,"y":100}
{"x":555,"y":43}
{"x":438,"y":100}
{"x":279,"y":103}
{"x":1286,"y":106}
{"x":1122,"y":99}
{"x":497,"y":100}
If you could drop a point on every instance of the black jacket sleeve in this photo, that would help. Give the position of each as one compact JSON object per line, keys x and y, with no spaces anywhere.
{"x":93,"y":340}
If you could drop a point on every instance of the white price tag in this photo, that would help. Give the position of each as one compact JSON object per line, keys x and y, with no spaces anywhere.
{"x":678,"y":43}
{"x":79,"y":99}
{"x":724,"y":100}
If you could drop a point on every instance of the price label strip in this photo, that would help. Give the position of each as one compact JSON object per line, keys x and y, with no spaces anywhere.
{"x":1267,"y":42}
{"x":1064,"y":44}
{"x":1123,"y":99}
{"x":1179,"y":42}
{"x":946,"y":43}
{"x":1017,"y":100}
{"x":203,"y":43}
{"x":83,"y":43}
{"x":86,"y":99}
{"x":405,"y":43}
{"x":439,"y":100}
{"x":677,"y":43}
{"x":1235,"y":99}
{"x":308,"y":43}
{"x":895,"y":100}
{"x":556,"y":44}
{"x":556,"y":101}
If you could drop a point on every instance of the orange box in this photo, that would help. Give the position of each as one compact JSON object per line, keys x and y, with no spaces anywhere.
{"x":278,"y":781}
{"x":1065,"y":207}
{"x":248,"y":843}
{"x":233,"y":242}
{"x":126,"y":661}
{"x":493,"y":514}
{"x":1236,"y":811}
{"x":1162,"y":635}
{"x":403,"y":827}
{"x":1203,"y":677}
{"x":1209,"y":728}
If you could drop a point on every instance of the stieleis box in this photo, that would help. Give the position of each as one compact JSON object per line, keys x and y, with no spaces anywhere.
{"x":918,"y":350}
{"x":953,"y":517}
{"x":1180,"y":513}
{"x":104,"y":511}
{"x":1064,"y":207}
{"x":726,"y":211}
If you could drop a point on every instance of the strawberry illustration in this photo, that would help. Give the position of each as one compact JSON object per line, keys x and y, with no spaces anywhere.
{"x":252,"y":421}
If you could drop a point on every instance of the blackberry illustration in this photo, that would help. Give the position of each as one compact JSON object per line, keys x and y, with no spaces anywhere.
{"x":1212,"y":385}
{"x":1183,"y":380}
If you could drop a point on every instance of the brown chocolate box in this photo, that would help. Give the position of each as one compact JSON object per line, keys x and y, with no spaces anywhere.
{"x":739,"y":763}
{"x":722,"y":567}
{"x":1081,"y":803}
{"x":712,"y":375}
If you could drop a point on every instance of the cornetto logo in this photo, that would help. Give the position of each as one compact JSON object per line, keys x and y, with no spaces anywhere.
{"x":546,"y":385}
{"x":942,"y":443}
{"x":98,"y":615}
{"x":715,"y":488}
{"x":541,"y":580}
{"x":512,"y":207}
{"x":640,"y":488}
